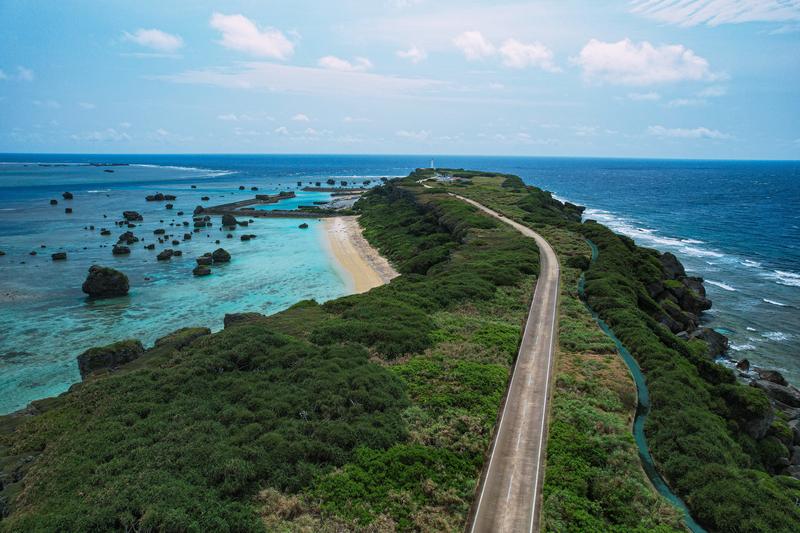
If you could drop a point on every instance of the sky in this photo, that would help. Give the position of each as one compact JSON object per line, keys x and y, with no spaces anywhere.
{"x":609,"y":78}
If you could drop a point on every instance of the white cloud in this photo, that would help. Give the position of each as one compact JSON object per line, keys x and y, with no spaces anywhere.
{"x":713,"y":91}
{"x":125,"y":125}
{"x":629,"y":63}
{"x":50,"y":104}
{"x":420,"y":135}
{"x":23,"y":74}
{"x":300,"y":117}
{"x":716,"y":12}
{"x":240,"y":33}
{"x":282,"y":130}
{"x":311,"y":131}
{"x":687,"y":133}
{"x":585,"y":131}
{"x":308,"y":80}
{"x":87,"y":105}
{"x":353,"y":120}
{"x":640,"y":97}
{"x":106,"y":135}
{"x":230,"y":117}
{"x":521,"y":55}
{"x":360,"y":64}
{"x":685,"y":102}
{"x":155,"y":39}
{"x":413,"y":54}
{"x":474,"y":45}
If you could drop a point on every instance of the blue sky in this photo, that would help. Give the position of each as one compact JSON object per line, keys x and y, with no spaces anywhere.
{"x":641,"y":78}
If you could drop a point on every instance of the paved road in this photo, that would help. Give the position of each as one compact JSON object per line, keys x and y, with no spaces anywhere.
{"x":509,"y":497}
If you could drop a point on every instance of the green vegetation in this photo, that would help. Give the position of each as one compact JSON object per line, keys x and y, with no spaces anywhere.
{"x":373,"y":410}
{"x":702,"y":425}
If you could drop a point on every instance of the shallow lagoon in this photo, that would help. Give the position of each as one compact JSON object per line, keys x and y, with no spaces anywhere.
{"x":45,"y":318}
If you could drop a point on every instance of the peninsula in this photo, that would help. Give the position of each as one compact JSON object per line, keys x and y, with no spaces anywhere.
{"x":384,"y":410}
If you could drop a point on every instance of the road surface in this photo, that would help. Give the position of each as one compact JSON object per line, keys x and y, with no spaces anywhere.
{"x":509,"y":496}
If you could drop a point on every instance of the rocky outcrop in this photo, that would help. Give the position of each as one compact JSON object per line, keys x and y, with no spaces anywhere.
{"x":220,"y":255}
{"x":132,"y":216}
{"x":68,"y":210}
{"x":128,"y":238}
{"x":53,"y":202}
{"x":118,"y":249}
{"x":717,"y":342}
{"x":165,"y":255}
{"x":771,"y":375}
{"x":785,"y":394}
{"x":104,"y":282}
{"x":204,"y":260}
{"x":109,"y":357}
{"x":59,"y":256}
{"x":66,"y":195}
{"x":303,"y":226}
{"x":229,"y":220}
{"x":201,"y":270}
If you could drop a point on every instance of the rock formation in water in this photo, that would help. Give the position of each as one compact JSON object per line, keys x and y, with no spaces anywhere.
{"x":104,"y":282}
{"x":109,"y":357}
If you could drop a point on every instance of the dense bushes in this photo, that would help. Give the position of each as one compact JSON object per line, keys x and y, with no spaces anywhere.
{"x":701,"y":421}
{"x":183,"y":445}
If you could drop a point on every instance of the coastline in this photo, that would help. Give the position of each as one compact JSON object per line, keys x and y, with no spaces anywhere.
{"x":364,"y":267}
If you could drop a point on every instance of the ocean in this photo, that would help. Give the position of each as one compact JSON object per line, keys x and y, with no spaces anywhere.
{"x":735,"y":223}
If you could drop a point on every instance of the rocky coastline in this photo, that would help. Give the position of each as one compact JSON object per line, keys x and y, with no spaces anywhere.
{"x":682,"y":300}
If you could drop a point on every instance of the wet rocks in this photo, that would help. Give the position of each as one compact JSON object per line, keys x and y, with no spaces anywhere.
{"x":303,"y":226}
{"x":220,"y":255}
{"x":150,"y":246}
{"x":104,"y":282}
{"x":118,"y":249}
{"x":66,"y":195}
{"x":109,"y":357}
{"x":68,"y":210}
{"x":187,"y":236}
{"x":772,"y":375}
{"x":241,"y":187}
{"x":201,"y":271}
{"x":158,"y":197}
{"x":105,"y":232}
{"x":205,"y":198}
{"x":204,"y":260}
{"x":53,"y":202}
{"x":59,"y":256}
{"x":168,"y":206}
{"x":743,"y":365}
{"x":128,"y":238}
{"x":229,"y":220}
{"x":165,"y":255}
{"x":785,"y":394}
{"x":198,"y":210}
{"x":253,"y":188}
{"x":247,"y":237}
{"x":159,"y":231}
{"x":170,"y":197}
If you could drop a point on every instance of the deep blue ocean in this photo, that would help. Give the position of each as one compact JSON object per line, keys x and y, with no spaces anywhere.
{"x":735,"y":223}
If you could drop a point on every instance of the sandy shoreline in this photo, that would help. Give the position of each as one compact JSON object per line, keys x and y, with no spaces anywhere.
{"x":362,"y":263}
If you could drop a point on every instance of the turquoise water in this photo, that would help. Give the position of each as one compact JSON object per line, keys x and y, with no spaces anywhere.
{"x":642,"y":410}
{"x":45,"y":318}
